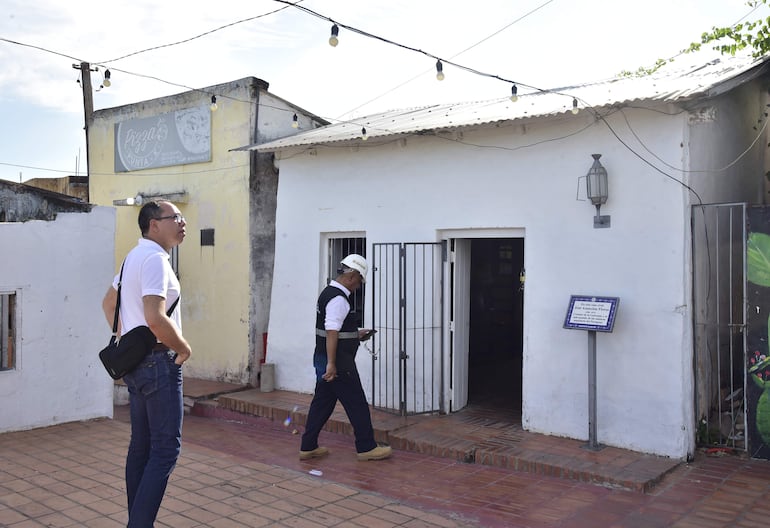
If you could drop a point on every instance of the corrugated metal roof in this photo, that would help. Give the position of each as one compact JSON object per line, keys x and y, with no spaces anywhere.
{"x":690,"y":82}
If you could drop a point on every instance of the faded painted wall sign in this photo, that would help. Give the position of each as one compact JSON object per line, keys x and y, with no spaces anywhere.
{"x":586,"y":312}
{"x":173,"y":138}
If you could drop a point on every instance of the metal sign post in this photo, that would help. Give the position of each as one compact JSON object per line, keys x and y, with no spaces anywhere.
{"x":593,"y":444}
{"x":593,"y":314}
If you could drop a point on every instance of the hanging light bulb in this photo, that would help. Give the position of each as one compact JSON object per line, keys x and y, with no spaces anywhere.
{"x":295,"y":122}
{"x":439,"y":70}
{"x":514,"y":93}
{"x":333,"y":40}
{"x":364,"y":135}
{"x":107,"y":82}
{"x":214,"y":105}
{"x":575,"y":108}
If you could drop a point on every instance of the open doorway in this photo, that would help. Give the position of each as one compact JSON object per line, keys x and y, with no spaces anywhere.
{"x":496,"y":323}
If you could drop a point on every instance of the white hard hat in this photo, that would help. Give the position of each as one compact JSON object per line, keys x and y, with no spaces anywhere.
{"x":356,"y":262}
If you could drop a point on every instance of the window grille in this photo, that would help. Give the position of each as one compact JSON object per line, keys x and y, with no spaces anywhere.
{"x":338,"y":249}
{"x":7,"y":331}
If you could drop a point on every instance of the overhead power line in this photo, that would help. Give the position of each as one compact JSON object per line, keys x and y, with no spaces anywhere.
{"x":413,"y":49}
{"x":231,"y":24}
{"x":339,"y":24}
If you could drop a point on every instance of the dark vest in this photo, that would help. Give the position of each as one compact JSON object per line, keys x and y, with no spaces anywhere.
{"x":346,"y":347}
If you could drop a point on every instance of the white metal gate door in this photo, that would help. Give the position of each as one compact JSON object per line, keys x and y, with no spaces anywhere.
{"x":719,"y":297}
{"x":406,"y":291}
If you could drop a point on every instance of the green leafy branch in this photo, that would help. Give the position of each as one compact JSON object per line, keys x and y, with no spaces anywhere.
{"x":730,"y":40}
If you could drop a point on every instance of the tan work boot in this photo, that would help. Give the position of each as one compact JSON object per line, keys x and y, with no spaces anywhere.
{"x":318,"y":452}
{"x":378,"y":453}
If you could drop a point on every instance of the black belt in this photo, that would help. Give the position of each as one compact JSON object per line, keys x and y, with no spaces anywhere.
{"x":160,"y":347}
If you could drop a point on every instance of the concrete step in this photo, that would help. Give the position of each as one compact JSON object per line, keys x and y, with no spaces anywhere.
{"x":473,"y":435}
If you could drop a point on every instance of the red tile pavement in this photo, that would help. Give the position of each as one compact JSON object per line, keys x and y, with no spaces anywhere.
{"x":247,"y":473}
{"x":729,"y":491}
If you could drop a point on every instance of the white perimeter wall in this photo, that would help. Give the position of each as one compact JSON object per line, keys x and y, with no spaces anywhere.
{"x":412,"y":191}
{"x":60,"y":271}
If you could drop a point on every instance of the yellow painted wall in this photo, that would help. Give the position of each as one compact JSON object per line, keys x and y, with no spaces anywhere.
{"x":215,"y":280}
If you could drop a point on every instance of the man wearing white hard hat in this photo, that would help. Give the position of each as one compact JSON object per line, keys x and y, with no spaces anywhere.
{"x":334,"y":360}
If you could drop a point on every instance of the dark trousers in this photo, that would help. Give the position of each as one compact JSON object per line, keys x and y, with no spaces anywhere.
{"x":347,"y":389}
{"x":157,"y":410}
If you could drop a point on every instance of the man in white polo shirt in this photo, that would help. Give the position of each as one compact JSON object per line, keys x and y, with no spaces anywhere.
{"x":149,"y":287}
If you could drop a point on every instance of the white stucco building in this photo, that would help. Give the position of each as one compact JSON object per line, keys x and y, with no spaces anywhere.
{"x":57,"y":262}
{"x":475,"y":222}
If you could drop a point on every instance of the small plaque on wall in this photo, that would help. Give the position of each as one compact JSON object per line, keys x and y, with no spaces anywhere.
{"x":591,"y":312}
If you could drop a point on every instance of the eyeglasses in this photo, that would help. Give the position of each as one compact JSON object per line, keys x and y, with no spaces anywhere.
{"x":179,"y":219}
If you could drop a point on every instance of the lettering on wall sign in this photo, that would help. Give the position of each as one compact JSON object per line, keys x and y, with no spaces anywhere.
{"x":173,"y":138}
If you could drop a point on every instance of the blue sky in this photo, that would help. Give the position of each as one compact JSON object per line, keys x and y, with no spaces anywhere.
{"x":542,"y":43}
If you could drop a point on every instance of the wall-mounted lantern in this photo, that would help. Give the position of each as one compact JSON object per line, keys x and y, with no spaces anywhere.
{"x":131,"y":200}
{"x":597,"y":190}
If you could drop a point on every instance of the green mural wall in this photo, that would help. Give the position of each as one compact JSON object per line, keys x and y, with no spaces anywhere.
{"x":758,"y":332}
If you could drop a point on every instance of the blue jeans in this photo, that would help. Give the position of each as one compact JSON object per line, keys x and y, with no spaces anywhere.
{"x":157,"y":408}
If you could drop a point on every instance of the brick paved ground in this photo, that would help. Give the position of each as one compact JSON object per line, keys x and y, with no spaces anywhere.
{"x":239,"y":474}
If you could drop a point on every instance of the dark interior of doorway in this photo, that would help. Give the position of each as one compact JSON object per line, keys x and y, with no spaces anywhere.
{"x":496,"y":323}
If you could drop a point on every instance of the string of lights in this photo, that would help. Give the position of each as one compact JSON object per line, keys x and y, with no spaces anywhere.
{"x":439,"y":62}
{"x":335,"y":35}
{"x":495,"y":33}
{"x":214,"y":97}
{"x":334,"y":39}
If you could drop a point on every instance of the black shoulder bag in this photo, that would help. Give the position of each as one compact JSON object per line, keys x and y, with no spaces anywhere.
{"x":122,"y":355}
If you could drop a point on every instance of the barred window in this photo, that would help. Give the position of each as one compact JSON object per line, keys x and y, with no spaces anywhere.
{"x":338,"y":249}
{"x":7,"y":331}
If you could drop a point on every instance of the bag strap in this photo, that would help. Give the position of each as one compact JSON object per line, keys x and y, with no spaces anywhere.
{"x":171,"y":310}
{"x":117,"y":303}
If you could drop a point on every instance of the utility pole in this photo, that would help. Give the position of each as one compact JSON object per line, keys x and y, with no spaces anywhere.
{"x":88,"y":109}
